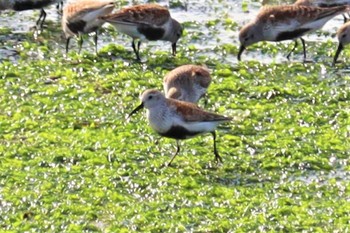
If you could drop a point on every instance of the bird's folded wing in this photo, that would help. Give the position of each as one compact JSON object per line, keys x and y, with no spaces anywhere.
{"x":143,"y":14}
{"x":192,"y":113}
{"x":293,"y":16}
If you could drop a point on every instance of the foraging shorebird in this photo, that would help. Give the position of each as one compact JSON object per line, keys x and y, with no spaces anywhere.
{"x":178,"y":119}
{"x":187,"y":83}
{"x":22,"y":5}
{"x":343,"y":35}
{"x":287,"y":22}
{"x":146,"y":22}
{"x":82,"y":17}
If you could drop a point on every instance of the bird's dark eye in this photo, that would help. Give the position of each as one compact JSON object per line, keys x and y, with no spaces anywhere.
{"x":344,"y":35}
{"x":150,"y":97}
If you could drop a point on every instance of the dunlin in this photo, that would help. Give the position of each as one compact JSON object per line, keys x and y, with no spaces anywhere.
{"x":81,"y":17}
{"x":187,"y":83}
{"x":178,"y":119}
{"x":22,"y":5}
{"x":287,"y":22}
{"x":343,"y":35}
{"x":146,"y":22}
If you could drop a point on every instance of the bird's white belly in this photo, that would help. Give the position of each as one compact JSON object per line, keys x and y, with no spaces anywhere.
{"x":208,"y":126}
{"x":130,"y":30}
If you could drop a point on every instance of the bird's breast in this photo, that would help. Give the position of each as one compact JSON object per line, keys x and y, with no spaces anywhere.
{"x":161,"y":121}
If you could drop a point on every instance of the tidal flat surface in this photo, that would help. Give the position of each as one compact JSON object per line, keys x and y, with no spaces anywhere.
{"x":70,"y":162}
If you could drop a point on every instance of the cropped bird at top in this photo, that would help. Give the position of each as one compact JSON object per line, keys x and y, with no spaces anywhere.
{"x":323,"y":3}
{"x":343,"y":35}
{"x":146,"y":22}
{"x":187,"y":83}
{"x":22,"y":5}
{"x":82,"y":17}
{"x":178,"y":119}
{"x":287,"y":22}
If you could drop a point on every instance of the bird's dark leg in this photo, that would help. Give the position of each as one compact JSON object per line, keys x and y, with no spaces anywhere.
{"x":80,"y":42}
{"x":304,"y":47}
{"x":95,"y":41}
{"x":173,"y":46}
{"x":138,"y":47}
{"x":41,"y":20}
{"x":38,"y":21}
{"x":136,"y":51}
{"x":295,"y":45}
{"x":177,"y":151}
{"x":67,"y":44}
{"x":217,"y":156}
{"x":340,"y":48}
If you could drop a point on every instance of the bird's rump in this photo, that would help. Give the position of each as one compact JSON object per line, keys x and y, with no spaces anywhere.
{"x":87,"y":11}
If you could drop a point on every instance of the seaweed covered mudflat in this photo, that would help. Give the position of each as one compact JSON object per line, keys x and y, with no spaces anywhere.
{"x":72,"y":160}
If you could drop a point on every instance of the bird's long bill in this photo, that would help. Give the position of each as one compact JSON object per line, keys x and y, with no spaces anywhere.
{"x":241,"y":49}
{"x":173,"y":46}
{"x":135,"y":110}
{"x":340,"y":48}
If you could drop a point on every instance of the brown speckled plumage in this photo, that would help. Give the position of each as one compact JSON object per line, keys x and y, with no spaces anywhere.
{"x":153,"y":14}
{"x":322,"y":3}
{"x":192,"y":113}
{"x":302,"y":14}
